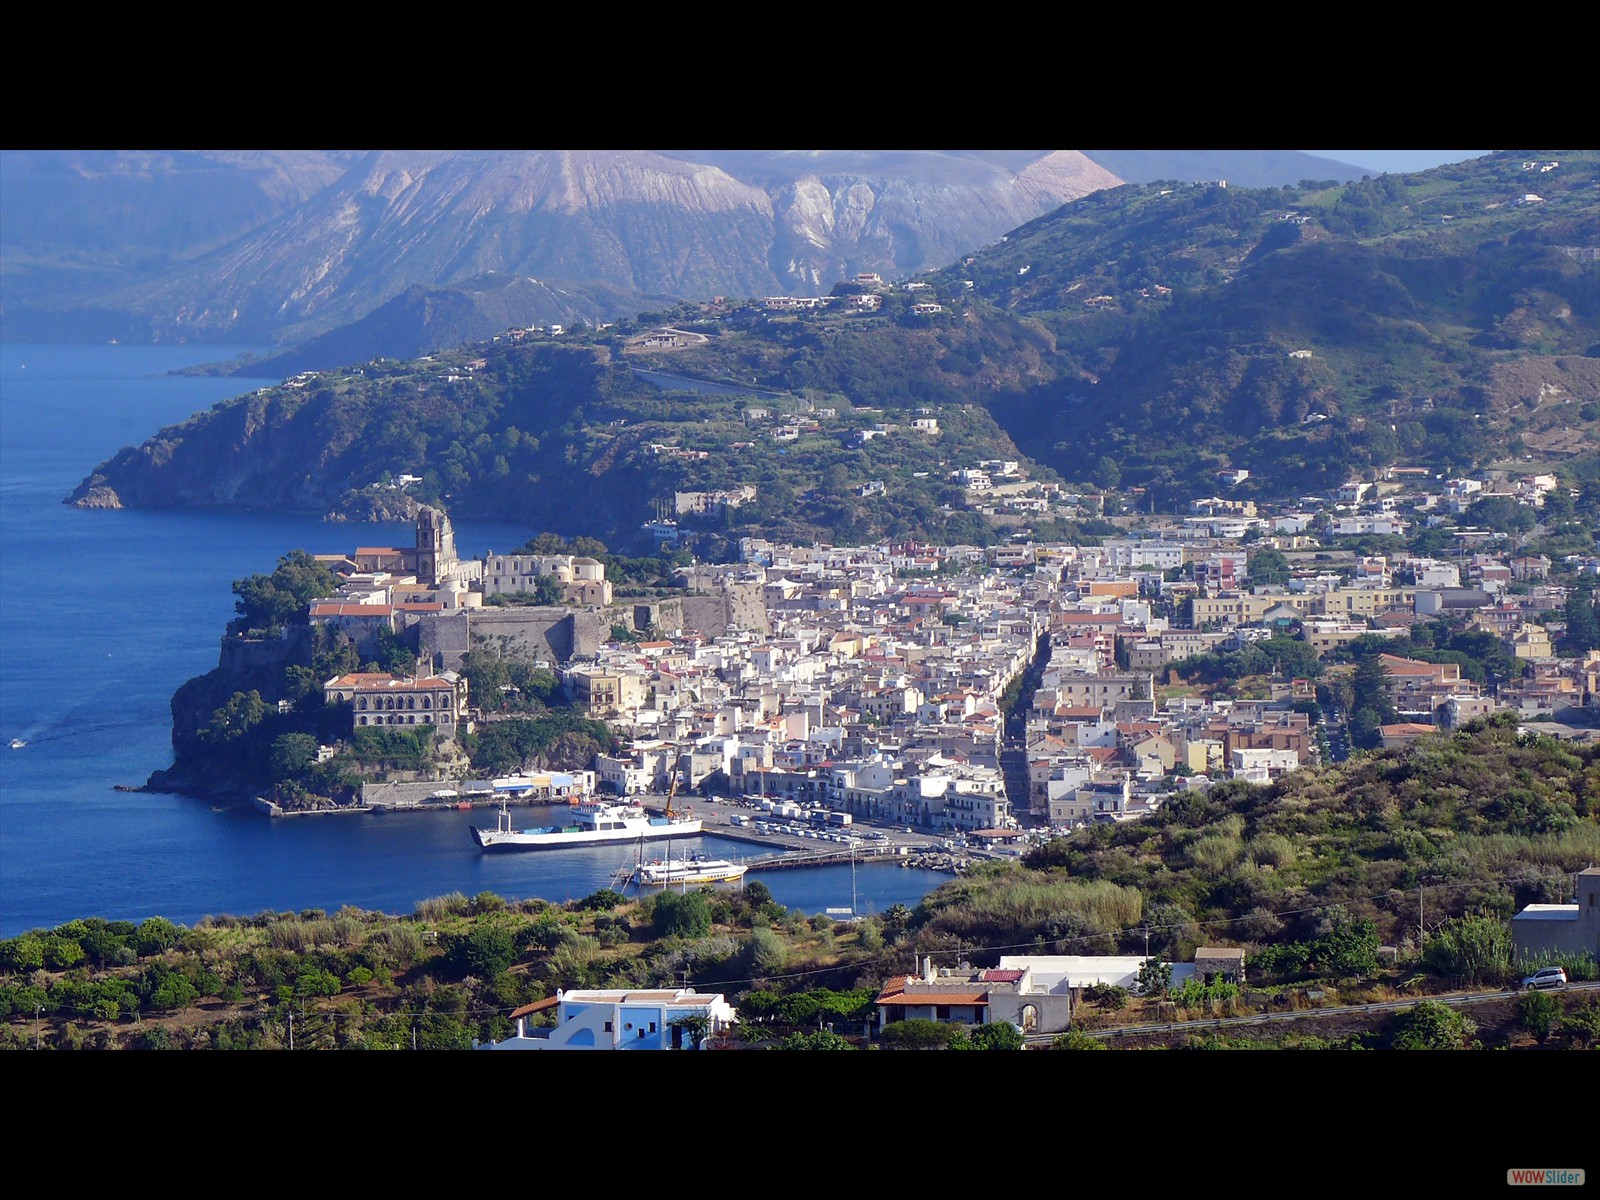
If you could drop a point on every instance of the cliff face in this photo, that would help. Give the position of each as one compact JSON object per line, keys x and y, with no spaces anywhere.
{"x":279,"y":451}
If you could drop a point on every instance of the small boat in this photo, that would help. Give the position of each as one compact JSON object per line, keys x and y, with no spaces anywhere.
{"x":17,"y":743}
{"x":695,"y":869}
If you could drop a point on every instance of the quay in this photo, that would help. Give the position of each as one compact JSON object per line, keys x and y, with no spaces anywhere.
{"x":783,"y":851}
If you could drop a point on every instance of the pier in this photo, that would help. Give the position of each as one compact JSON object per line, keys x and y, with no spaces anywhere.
{"x":825,"y":858}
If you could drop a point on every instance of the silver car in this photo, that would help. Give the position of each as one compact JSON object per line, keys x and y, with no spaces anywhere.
{"x":1546,"y":977}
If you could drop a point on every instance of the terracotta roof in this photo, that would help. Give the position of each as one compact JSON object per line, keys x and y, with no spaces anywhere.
{"x":898,"y":996}
{"x":1407,"y":666}
{"x":536,"y":1006}
{"x":334,"y":608}
{"x":374,"y":682}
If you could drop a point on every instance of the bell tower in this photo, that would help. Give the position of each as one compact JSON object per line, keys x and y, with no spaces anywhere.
{"x":436,"y":547}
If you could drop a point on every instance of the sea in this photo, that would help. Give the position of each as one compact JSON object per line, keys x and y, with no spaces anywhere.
{"x":103,"y":614}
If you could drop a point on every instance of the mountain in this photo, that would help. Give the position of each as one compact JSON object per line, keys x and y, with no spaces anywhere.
{"x":80,"y":224}
{"x":421,"y":320}
{"x":1145,"y":335}
{"x":631,"y":221}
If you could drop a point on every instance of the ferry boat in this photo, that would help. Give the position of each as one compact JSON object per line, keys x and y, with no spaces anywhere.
{"x":695,"y":869}
{"x":594,"y":823}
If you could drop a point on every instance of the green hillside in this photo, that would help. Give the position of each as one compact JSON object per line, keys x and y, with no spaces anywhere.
{"x":1445,"y":318}
{"x":566,"y":436}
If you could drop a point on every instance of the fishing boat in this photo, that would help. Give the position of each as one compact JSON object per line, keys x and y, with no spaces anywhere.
{"x":593,"y":823}
{"x":694,"y":869}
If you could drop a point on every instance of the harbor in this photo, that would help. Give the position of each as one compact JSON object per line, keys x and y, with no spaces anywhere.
{"x":728,"y":819}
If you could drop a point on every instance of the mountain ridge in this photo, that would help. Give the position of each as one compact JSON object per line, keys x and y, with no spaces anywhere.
{"x":288,"y":245}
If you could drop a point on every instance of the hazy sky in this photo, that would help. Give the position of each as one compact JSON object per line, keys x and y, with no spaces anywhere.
{"x":1398,"y":161}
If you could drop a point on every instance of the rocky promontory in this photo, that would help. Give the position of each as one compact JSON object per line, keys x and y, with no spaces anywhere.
{"x":94,"y":495}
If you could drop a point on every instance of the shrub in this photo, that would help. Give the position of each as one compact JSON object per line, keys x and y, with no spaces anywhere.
{"x":1107,"y":995}
{"x":919,"y":1034}
{"x":1537,"y":1012}
{"x":1076,"y":1039}
{"x":439,"y":907}
{"x":765,"y":953}
{"x":997,"y":1036}
{"x":1432,"y":1025}
{"x":1476,"y":947}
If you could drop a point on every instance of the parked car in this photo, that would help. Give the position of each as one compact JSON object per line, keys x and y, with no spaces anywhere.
{"x":1546,"y":977}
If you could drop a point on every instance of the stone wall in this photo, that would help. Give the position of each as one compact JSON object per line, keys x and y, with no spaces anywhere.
{"x":443,"y":638}
{"x":249,"y":656}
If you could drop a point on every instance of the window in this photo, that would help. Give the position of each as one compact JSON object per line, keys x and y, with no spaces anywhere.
{"x":942,"y":1012}
{"x":652,"y":1026}
{"x":608,"y":1026}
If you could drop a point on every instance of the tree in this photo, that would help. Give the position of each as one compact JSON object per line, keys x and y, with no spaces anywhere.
{"x":1583,"y":627}
{"x":172,"y":991}
{"x":268,"y":602}
{"x":235,"y":719}
{"x":484,"y":952}
{"x":1370,"y":683}
{"x":154,"y":936}
{"x":1349,"y":949}
{"x":291,"y":754}
{"x":680,"y":914}
{"x":694,"y":1028}
{"x":1268,"y":566}
{"x":757,"y":893}
{"x":1155,"y":977}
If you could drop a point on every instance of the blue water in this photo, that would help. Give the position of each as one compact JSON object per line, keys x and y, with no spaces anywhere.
{"x":104,"y":614}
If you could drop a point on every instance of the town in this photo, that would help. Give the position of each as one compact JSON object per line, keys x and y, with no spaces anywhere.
{"x":1001,"y":694}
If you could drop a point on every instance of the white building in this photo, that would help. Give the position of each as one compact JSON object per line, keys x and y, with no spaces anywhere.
{"x":622,"y":1019}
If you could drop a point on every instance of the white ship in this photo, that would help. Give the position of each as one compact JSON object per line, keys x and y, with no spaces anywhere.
{"x":593,"y":823}
{"x":695,"y":869}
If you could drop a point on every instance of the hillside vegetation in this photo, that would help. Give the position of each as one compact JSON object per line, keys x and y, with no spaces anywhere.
{"x":1310,"y":331}
{"x":1308,"y":874}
